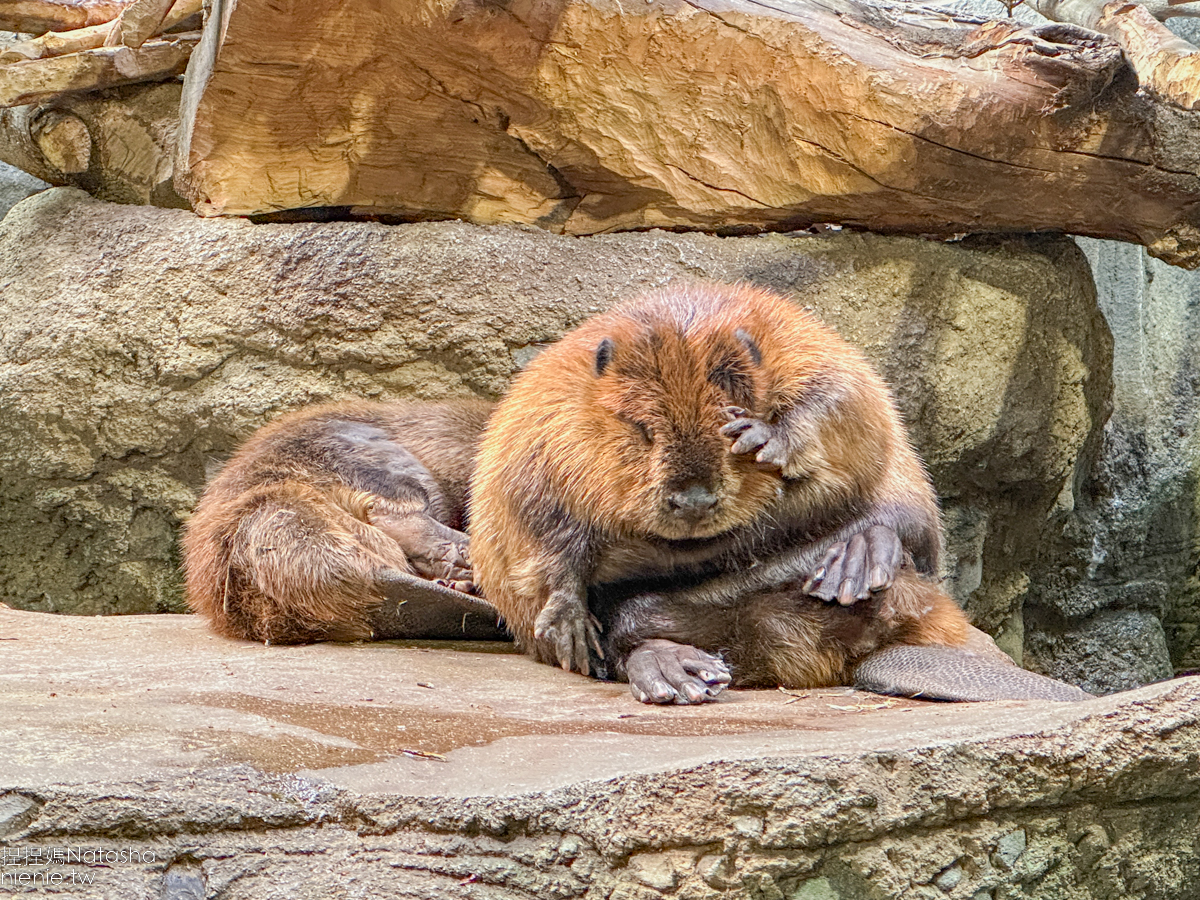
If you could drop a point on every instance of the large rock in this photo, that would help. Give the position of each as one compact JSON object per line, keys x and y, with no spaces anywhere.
{"x":15,"y":186}
{"x":1120,"y":578}
{"x":139,"y":345}
{"x":215,"y":768}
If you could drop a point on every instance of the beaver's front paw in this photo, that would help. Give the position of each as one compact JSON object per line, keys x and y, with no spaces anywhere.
{"x":566,"y":630}
{"x":767,"y":442}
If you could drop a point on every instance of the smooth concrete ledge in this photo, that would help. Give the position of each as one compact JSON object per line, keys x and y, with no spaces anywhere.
{"x":188,"y":765}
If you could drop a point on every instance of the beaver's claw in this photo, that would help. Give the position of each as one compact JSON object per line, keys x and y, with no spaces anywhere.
{"x":569,"y":630}
{"x":767,"y":442}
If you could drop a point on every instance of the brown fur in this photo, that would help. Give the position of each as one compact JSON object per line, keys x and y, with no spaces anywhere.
{"x":779,"y":636}
{"x":580,"y":461}
{"x":288,"y":541}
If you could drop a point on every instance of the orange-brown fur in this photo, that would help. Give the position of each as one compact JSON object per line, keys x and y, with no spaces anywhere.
{"x":283,"y":546}
{"x":578,"y":462}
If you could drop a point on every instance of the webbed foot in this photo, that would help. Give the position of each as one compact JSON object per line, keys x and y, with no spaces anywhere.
{"x":661,"y":671}
{"x":434,"y":550}
{"x":852,"y":569}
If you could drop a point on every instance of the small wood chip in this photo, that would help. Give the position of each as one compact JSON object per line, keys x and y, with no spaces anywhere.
{"x":862,"y":707}
{"x":422,"y":754}
{"x":795,"y":695}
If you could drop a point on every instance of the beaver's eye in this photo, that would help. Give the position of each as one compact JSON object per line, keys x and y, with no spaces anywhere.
{"x":644,"y":431}
{"x":730,"y":376}
{"x":727,"y":376}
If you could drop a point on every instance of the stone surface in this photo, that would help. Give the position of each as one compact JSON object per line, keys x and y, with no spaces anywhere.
{"x":1123,"y":557}
{"x":198,"y":766}
{"x":15,"y":186}
{"x":1123,"y":546}
{"x":139,"y":345}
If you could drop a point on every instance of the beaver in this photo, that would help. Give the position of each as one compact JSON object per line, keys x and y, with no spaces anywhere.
{"x":315,"y":521}
{"x":719,"y":469}
{"x":687,"y":433}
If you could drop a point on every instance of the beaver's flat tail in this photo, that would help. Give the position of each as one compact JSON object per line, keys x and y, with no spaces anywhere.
{"x":955,"y":673}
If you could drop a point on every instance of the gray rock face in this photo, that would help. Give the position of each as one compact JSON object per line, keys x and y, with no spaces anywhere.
{"x":1111,"y":650}
{"x":218,"y":768}
{"x":15,"y":186}
{"x":1122,"y":559}
{"x":138,"y":346}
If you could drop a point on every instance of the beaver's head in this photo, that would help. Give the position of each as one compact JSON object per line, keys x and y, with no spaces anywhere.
{"x":666,"y":372}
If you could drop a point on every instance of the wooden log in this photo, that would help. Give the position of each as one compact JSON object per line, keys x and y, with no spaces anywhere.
{"x":128,"y":147}
{"x":64,"y":141}
{"x":1165,"y":64}
{"x":584,"y":116}
{"x":137,"y":23}
{"x":58,"y":43}
{"x":91,"y":70}
{"x":38,"y":16}
{"x":1167,"y":9}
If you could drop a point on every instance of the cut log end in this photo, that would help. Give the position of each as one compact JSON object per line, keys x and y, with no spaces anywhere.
{"x":64,"y":140}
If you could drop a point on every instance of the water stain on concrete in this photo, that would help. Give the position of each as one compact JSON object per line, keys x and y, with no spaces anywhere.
{"x":388,"y":731}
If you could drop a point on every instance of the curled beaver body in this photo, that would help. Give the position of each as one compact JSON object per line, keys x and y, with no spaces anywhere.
{"x":688,"y":433}
{"x":722,"y":474}
{"x":337,"y":522}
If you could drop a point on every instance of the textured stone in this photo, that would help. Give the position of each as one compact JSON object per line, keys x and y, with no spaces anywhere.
{"x":139,"y":345}
{"x":1126,"y":537}
{"x":15,"y":186}
{"x":1113,"y":650}
{"x":1129,"y":541}
{"x":296,"y":772}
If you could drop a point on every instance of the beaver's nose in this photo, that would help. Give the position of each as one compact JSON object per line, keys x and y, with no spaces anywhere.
{"x":693,"y":502}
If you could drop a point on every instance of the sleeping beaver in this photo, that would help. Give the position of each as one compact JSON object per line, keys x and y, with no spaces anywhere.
{"x":716,"y":469}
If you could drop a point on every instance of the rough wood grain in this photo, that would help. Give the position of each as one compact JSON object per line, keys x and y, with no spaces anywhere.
{"x":1165,"y":64}
{"x":57,"y":43}
{"x":130,"y":142}
{"x":137,"y":23}
{"x":91,"y":70}
{"x":64,"y":141}
{"x":38,"y":16}
{"x":585,"y":116}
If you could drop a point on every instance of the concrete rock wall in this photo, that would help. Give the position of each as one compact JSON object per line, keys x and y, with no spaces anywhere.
{"x":138,"y":346}
{"x":228,"y":770}
{"x":15,"y":186}
{"x":1120,"y":580}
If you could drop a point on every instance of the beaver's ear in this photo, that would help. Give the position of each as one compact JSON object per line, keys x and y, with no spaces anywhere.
{"x":604,"y":354}
{"x":755,"y":354}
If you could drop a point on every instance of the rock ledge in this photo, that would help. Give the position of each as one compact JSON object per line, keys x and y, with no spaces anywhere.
{"x":227,"y":769}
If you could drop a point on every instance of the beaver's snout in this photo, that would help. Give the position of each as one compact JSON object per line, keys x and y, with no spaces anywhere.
{"x":694,"y":503}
